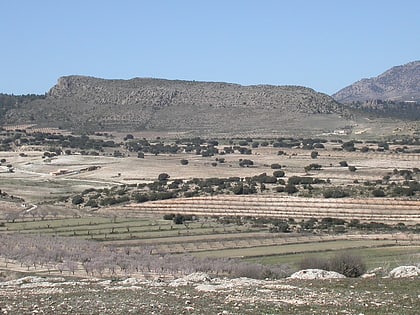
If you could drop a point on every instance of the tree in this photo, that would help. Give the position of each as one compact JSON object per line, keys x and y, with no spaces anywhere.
{"x":343,"y":164}
{"x":314,"y":154}
{"x":163,"y":177}
{"x":290,"y":189}
{"x":77,"y":200}
{"x":278,"y":174}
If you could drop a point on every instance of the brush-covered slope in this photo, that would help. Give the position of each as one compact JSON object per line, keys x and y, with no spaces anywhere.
{"x":87,"y":103}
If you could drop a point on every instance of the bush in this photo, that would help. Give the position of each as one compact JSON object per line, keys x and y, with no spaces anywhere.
{"x":170,"y":216}
{"x":275,"y":166}
{"x":290,"y":189}
{"x":378,"y":193}
{"x":184,"y":162}
{"x":314,"y":263}
{"x":352,"y":168}
{"x":91,"y":203}
{"x":278,"y":174}
{"x":314,"y":154}
{"x":245,"y":162}
{"x":335,"y":193}
{"x":296,"y":180}
{"x":279,"y":189}
{"x":163,"y":177}
{"x":77,"y":200}
{"x":347,"y":264}
{"x":343,"y":164}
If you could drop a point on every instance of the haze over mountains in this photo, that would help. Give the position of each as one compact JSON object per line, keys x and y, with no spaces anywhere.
{"x":90,"y":104}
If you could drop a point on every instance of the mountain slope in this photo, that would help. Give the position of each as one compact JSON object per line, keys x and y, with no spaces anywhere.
{"x":400,"y":83}
{"x":86,"y":103}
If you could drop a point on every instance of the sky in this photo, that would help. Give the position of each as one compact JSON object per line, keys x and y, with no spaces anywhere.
{"x":322,"y":44}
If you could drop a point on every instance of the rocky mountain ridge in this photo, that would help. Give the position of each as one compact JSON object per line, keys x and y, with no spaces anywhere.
{"x":79,"y":102}
{"x":398,"y":84}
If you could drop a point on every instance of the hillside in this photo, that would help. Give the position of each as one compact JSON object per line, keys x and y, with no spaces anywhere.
{"x":86,"y":103}
{"x":398,"y":84}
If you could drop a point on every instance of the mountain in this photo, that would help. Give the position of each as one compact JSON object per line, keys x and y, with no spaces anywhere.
{"x":398,"y":84}
{"x":93,"y":104}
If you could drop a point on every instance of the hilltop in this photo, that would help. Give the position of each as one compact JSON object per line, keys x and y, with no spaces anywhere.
{"x":87,"y":103}
{"x":398,"y":84}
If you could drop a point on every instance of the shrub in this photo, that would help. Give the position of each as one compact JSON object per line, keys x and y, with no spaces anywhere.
{"x":345,"y":263}
{"x":278,"y":174}
{"x":245,"y":162}
{"x":279,"y":189}
{"x":184,"y":162}
{"x":335,"y":193}
{"x":178,"y":219}
{"x":163,"y":177}
{"x":348,"y":146}
{"x":314,"y":154}
{"x":312,"y":166}
{"x":168,"y":216}
{"x":378,"y":193}
{"x":295,"y":180}
{"x":91,"y":203}
{"x":275,"y":166}
{"x":343,"y":164}
{"x":352,"y":168}
{"x":290,"y":189}
{"x":77,"y":200}
{"x":348,"y":264}
{"x":314,"y":263}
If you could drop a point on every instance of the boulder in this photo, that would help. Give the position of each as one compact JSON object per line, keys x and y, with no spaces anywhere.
{"x":316,"y":274}
{"x":405,"y":272}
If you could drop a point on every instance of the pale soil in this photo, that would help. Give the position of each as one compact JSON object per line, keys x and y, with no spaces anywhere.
{"x":31,"y":295}
{"x":33,"y":181}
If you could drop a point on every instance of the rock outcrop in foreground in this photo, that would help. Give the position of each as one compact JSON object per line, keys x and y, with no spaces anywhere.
{"x":199,"y":294}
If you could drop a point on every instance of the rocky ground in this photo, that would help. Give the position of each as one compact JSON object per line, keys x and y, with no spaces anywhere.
{"x":303,"y":293}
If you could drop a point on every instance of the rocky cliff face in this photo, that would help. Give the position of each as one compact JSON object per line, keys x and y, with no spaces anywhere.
{"x":400,"y":83}
{"x":79,"y":102}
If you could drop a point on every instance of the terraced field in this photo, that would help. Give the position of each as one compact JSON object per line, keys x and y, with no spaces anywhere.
{"x":383,"y":210}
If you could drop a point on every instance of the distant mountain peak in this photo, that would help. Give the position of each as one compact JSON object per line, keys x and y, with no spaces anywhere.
{"x":400,"y":83}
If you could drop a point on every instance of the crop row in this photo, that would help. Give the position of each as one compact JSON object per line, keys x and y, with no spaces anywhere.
{"x":379,"y":210}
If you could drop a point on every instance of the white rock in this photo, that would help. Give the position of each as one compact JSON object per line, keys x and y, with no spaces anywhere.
{"x":196,"y":277}
{"x":316,"y":274}
{"x":405,"y":272}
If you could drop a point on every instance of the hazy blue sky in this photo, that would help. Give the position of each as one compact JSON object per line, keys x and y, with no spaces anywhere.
{"x":322,"y":44}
